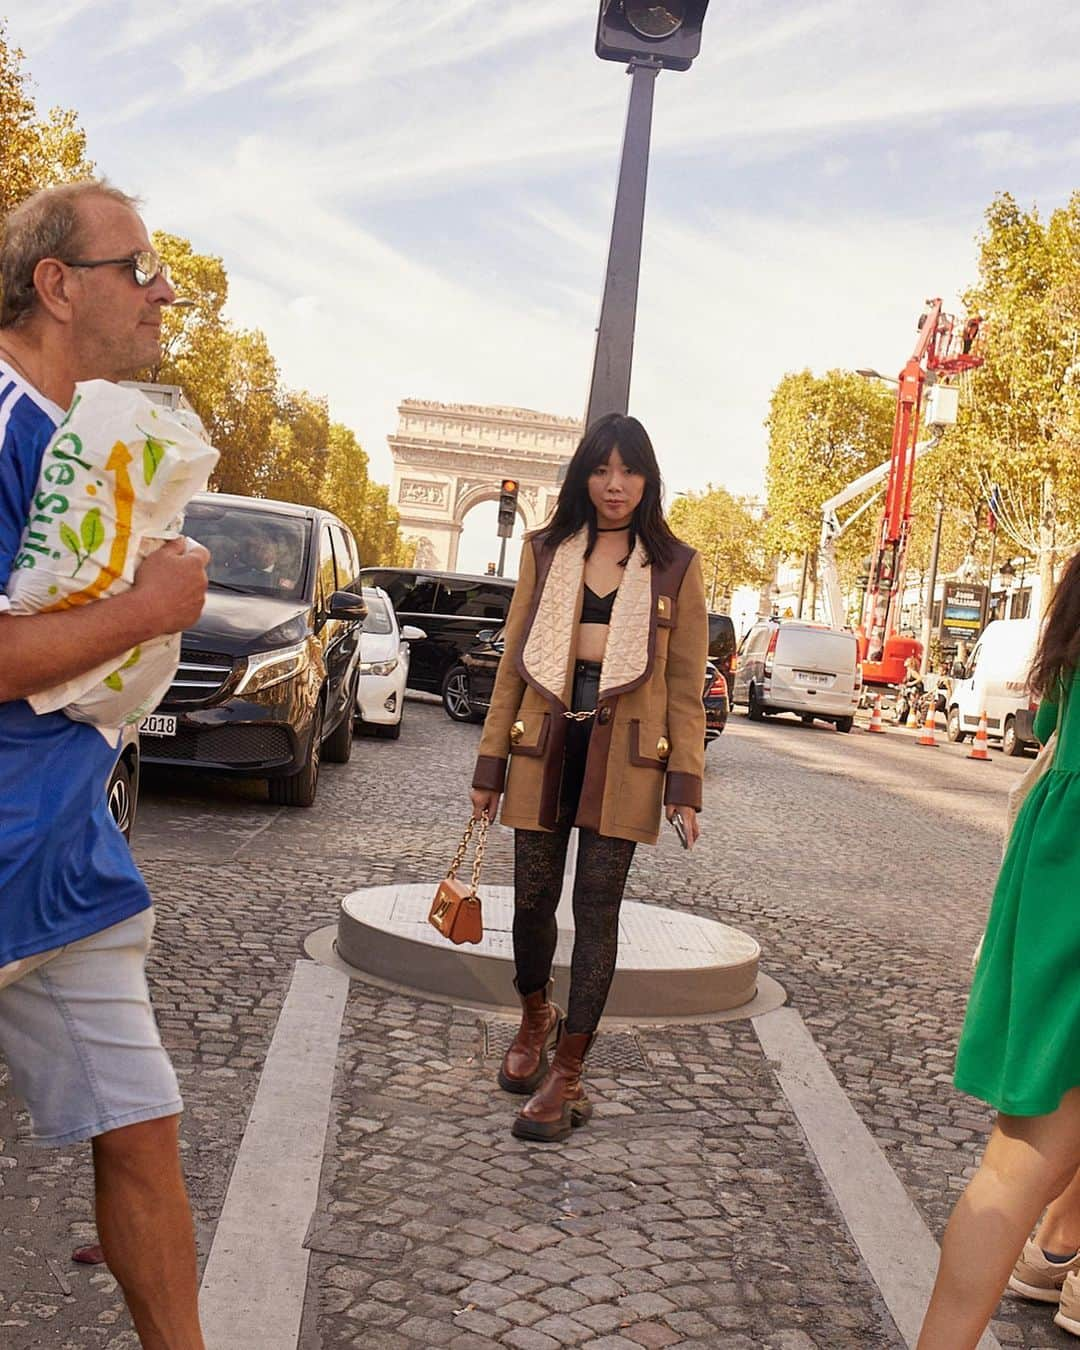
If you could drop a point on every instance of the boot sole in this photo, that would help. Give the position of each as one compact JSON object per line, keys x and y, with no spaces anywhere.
{"x":527,"y":1086}
{"x":542,"y":1132}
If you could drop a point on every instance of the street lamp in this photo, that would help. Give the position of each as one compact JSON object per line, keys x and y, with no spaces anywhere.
{"x":869,"y":374}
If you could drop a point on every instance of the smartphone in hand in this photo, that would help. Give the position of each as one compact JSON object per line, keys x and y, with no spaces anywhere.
{"x":680,"y":829}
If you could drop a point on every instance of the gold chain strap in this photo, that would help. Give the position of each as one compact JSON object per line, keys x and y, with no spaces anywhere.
{"x":580,"y":716}
{"x":478,"y":860}
{"x":462,"y":848}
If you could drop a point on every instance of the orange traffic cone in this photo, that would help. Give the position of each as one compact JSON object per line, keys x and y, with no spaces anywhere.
{"x":875,"y":716}
{"x":927,"y":737}
{"x":981,"y":748}
{"x":912,"y":722}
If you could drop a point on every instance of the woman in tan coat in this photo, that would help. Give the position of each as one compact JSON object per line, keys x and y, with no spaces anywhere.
{"x":597,"y":721}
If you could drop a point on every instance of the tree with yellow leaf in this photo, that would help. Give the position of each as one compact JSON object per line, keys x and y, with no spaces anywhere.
{"x":35,"y":152}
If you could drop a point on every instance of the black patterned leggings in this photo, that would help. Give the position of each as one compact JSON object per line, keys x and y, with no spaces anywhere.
{"x":602,"y":867}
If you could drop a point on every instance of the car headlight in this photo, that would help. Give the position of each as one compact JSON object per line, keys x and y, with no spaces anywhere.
{"x":378,"y":667}
{"x":265,"y":669}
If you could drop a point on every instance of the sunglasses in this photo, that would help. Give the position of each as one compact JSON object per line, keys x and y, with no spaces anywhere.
{"x":145,"y":266}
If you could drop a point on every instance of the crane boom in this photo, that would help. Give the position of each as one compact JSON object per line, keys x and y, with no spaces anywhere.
{"x":943,"y":349}
{"x":832,"y":528}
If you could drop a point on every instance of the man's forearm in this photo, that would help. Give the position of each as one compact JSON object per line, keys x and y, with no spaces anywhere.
{"x":39,"y":651}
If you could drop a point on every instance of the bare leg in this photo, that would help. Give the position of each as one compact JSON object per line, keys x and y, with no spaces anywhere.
{"x":1028,"y":1161}
{"x":1060,"y":1229}
{"x":144,"y":1222}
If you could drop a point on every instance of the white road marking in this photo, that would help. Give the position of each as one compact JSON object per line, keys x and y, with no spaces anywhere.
{"x":253,"y":1288}
{"x":888,"y":1230}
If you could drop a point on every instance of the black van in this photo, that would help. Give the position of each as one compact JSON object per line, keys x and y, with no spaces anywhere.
{"x":267,"y":680}
{"x":451,"y":608}
{"x":722,"y":645}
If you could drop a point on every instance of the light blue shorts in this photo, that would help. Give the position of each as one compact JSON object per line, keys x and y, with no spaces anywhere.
{"x":80,"y":1038}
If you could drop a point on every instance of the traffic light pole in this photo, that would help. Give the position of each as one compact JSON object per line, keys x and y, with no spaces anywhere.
{"x":610,"y":388}
{"x":502,"y":557}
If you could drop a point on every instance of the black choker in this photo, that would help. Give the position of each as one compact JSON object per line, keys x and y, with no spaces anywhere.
{"x":611,"y":529}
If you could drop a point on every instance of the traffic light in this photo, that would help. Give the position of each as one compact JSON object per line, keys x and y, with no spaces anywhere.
{"x":669,"y":31}
{"x":508,"y":495}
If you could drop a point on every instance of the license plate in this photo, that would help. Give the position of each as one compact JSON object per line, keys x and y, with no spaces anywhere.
{"x":157,"y":724}
{"x":810,"y":677}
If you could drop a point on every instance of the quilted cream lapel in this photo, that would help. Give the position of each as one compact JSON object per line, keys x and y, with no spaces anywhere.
{"x":547,"y":654}
{"x":546,"y":657}
{"x":626,"y":656}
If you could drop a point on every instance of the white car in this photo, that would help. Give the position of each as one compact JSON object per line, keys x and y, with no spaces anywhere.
{"x":384,"y":666}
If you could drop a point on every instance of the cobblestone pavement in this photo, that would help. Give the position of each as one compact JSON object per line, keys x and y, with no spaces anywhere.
{"x":688,"y":1213}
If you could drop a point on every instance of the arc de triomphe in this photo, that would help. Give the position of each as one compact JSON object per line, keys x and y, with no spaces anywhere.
{"x":449,"y":457}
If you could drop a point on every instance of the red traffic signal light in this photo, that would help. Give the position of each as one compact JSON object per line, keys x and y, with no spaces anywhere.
{"x":508,"y":495}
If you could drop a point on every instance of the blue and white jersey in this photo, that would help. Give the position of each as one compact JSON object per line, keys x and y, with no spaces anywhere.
{"x":65,"y":869}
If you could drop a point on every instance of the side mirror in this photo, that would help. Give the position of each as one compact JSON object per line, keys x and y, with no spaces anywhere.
{"x":347,"y":606}
{"x":958,"y":670}
{"x":411,"y":634}
{"x":486,"y":635}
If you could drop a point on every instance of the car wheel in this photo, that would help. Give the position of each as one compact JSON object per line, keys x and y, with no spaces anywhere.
{"x":953,"y":730}
{"x":845,"y":723}
{"x":754,"y":710}
{"x":337,"y":748}
{"x":389,"y":731}
{"x":807,"y":719}
{"x":1010,"y":742}
{"x":299,"y":789}
{"x":120,"y":797}
{"x":455,"y":695}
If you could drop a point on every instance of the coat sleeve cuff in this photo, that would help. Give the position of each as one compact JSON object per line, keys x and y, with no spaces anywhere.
{"x":489,"y":774}
{"x":683,"y":789}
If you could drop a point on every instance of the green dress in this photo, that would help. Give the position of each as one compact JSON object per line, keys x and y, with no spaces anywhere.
{"x":1020,"y":1046}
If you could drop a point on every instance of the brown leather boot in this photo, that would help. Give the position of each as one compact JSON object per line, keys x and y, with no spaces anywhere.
{"x":526,"y":1062}
{"x":559,"y":1104}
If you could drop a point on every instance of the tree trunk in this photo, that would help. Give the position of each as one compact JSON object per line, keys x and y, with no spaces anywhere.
{"x":1047,"y":544}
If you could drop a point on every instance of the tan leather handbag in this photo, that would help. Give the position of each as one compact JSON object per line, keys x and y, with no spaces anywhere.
{"x":456,"y":911}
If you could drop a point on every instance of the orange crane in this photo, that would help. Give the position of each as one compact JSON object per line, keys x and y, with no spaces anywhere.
{"x":945,"y":348}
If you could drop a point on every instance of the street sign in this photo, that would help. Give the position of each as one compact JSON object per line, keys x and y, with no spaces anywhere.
{"x":962,"y":613}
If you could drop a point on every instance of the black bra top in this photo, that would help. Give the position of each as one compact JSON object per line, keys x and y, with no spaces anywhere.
{"x":597,"y":608}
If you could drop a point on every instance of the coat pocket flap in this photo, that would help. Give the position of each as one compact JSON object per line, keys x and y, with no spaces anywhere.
{"x":649,"y":746}
{"x":665,"y":611}
{"x":529,"y":734}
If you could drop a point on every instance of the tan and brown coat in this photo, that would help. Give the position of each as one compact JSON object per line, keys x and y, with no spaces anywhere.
{"x":648,"y":738}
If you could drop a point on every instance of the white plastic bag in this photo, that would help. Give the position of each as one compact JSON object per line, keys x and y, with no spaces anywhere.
{"x":114,"y":481}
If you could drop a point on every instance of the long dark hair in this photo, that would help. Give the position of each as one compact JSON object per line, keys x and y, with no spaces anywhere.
{"x":574,"y":509}
{"x":1058,"y":652}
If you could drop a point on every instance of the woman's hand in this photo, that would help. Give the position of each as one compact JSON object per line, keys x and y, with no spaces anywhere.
{"x":483,"y":800}
{"x":690,"y":820}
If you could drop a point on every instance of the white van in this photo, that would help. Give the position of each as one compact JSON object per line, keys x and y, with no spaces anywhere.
{"x":804,"y":668}
{"x":995,"y":682}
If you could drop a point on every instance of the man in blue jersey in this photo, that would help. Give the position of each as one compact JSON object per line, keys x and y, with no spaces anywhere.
{"x":82,"y":297}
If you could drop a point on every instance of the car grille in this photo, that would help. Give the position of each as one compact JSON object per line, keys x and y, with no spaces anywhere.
{"x":221,"y":745}
{"x":199,"y":677}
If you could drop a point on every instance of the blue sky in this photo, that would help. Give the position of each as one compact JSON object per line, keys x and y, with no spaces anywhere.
{"x":420,"y":208}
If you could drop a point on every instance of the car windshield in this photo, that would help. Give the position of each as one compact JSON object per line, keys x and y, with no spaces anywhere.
{"x":378,"y":618}
{"x":251,"y":551}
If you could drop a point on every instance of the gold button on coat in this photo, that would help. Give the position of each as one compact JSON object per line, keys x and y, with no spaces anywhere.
{"x":516,"y":732}
{"x":663,"y":747}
